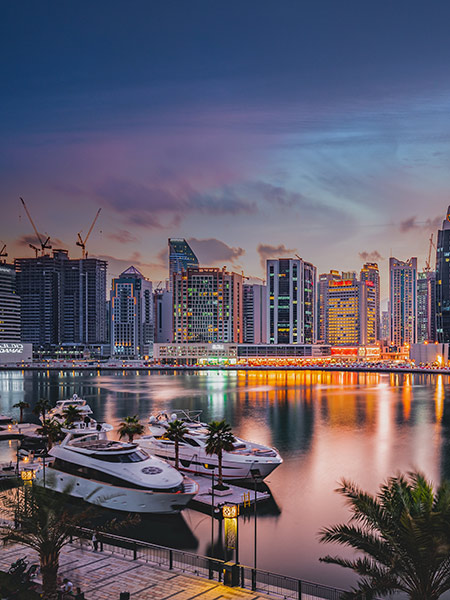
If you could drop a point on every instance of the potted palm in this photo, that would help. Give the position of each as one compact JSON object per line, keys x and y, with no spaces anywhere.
{"x":72,"y":414}
{"x":130,"y":427}
{"x":220,"y":439}
{"x":21,"y":406}
{"x":176,"y":431}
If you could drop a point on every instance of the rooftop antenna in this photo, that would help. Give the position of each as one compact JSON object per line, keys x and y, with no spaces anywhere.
{"x":82,"y":243}
{"x":44,"y":245}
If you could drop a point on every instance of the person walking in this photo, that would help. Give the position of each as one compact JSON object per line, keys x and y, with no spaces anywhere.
{"x":95,"y":541}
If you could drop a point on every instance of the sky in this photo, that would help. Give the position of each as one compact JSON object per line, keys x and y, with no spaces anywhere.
{"x":255,"y":129}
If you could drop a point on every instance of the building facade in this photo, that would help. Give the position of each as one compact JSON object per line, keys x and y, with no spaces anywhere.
{"x":291,"y":301}
{"x":181,"y":257}
{"x":426,"y":307}
{"x":132,"y":322}
{"x":403,"y":301}
{"x":443,"y":282}
{"x":370,"y":272}
{"x":324,"y":279}
{"x":254,"y":313}
{"x":63,"y":300}
{"x":163,"y":309}
{"x":9,"y":305}
{"x":207,"y":306}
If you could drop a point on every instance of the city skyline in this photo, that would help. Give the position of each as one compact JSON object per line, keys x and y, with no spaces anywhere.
{"x":252,"y":132}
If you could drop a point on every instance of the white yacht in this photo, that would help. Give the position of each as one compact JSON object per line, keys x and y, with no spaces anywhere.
{"x":243,"y":462}
{"x":115,"y":475}
{"x":57,"y":412}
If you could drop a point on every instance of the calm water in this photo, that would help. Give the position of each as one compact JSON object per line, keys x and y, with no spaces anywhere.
{"x":326,"y":425}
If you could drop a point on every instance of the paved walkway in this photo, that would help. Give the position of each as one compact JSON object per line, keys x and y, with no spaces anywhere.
{"x":102,"y":576}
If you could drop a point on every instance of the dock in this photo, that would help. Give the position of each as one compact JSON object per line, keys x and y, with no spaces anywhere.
{"x":236,"y":494}
{"x":17,"y":431}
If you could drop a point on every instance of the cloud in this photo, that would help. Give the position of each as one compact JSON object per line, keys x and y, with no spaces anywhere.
{"x":116,"y":266}
{"x":122,"y":236}
{"x":411,"y":223}
{"x":266,"y":251}
{"x":26,"y":240}
{"x":162,"y":203}
{"x":370,"y":256}
{"x":212,"y":251}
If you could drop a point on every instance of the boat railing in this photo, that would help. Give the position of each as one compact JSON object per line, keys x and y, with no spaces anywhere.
{"x":249,"y":578}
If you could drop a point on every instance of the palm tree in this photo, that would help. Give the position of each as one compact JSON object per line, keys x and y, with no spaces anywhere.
{"x":21,"y":406}
{"x":41,"y":407}
{"x":130,"y":427}
{"x":51,"y":430}
{"x":176,"y":430}
{"x":71,"y":415}
{"x":403,"y":535}
{"x":220,"y":439}
{"x":44,"y":524}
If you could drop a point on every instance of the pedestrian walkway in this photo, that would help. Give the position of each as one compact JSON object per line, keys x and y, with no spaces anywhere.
{"x":103,"y":575}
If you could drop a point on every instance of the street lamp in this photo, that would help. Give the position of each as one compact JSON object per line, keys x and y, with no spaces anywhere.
{"x":256,"y":476}
{"x":230,"y":514}
{"x":212,"y":513}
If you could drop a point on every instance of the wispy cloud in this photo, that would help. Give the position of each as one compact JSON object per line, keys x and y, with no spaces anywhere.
{"x":370,"y":256}
{"x":411,"y":224}
{"x":212,"y":251}
{"x":266,"y":251}
{"x":122,"y":236}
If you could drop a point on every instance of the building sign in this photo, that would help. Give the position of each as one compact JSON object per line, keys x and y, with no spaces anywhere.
{"x":11,"y":348}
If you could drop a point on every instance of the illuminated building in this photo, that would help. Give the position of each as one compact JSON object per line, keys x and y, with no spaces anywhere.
{"x":181,"y":257}
{"x":132,"y":324}
{"x":63,"y":300}
{"x":291,"y":301}
{"x":207,"y":306}
{"x":324,"y":279}
{"x":163,"y":311}
{"x":350,"y":312}
{"x":403,"y":301}
{"x":384,"y":333}
{"x":426,"y":307}
{"x":255,"y":313}
{"x":370,"y":272}
{"x":443,"y":281}
{"x":9,"y":305}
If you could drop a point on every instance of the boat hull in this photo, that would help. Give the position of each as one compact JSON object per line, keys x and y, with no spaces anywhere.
{"x":114,"y":497}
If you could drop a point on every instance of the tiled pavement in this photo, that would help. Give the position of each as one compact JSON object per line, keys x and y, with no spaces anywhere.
{"x":102,"y":576}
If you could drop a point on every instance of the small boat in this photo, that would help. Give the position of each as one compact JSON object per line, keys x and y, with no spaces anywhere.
{"x":115,"y":475}
{"x":57,"y":412}
{"x":245,"y":461}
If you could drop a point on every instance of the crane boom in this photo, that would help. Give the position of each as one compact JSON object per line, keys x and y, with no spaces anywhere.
{"x":81,"y":242}
{"x":45,"y":244}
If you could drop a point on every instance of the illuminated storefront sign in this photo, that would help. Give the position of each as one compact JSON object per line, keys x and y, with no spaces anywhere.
{"x":11,"y":348}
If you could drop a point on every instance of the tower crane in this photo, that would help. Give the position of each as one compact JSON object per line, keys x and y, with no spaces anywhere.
{"x":3,"y":254}
{"x":82,"y":243}
{"x":428,"y":260}
{"x":44,"y":245}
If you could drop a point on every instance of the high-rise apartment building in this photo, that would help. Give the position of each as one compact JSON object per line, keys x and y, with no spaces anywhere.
{"x":403,"y":301}
{"x":9,"y":305}
{"x":207,"y":306}
{"x":132,"y":322}
{"x":443,"y":282}
{"x":163,"y":301}
{"x":324,"y":280}
{"x":384,"y":332}
{"x":255,"y":313}
{"x":63,"y":300}
{"x":370,"y":272}
{"x":181,"y":257}
{"x":291,"y":301}
{"x":350,"y":312}
{"x":426,"y":307}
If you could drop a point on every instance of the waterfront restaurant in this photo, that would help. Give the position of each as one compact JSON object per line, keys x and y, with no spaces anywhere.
{"x":193,"y":354}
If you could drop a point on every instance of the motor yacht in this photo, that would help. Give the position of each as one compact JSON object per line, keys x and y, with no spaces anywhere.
{"x":246,"y":460}
{"x":57,"y":412}
{"x":116,"y":475}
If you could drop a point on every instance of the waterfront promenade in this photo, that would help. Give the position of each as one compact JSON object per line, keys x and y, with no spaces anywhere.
{"x":103,"y":575}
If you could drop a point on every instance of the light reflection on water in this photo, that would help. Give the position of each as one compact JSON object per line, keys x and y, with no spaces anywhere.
{"x":327,"y":425}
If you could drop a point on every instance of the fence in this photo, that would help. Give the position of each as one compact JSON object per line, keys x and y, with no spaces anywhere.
{"x":214,"y":568}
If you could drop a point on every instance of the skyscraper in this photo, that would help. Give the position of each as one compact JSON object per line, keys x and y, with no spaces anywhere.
{"x":255,"y":313}
{"x":207,"y":306}
{"x":132,"y":323}
{"x":63,"y":300}
{"x":163,"y":302}
{"x":324,"y":280}
{"x":9,"y":305}
{"x":426,"y":307}
{"x":403,"y":301}
{"x":181,"y":257}
{"x":443,"y":282}
{"x":370,"y":272}
{"x":291,"y":301}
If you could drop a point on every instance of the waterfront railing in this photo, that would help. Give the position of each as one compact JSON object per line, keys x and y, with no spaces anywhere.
{"x":214,"y":568}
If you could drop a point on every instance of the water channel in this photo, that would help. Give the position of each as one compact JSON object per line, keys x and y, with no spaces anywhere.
{"x":326,"y":425}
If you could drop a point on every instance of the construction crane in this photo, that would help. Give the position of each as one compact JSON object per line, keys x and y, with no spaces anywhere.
{"x":44,"y":245}
{"x":428,"y":260}
{"x":3,"y":254}
{"x":82,"y":243}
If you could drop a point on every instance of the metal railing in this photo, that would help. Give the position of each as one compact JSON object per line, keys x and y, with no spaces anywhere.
{"x":212,"y":568}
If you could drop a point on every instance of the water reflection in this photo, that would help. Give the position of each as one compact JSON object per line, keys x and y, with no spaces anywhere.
{"x":327,"y":425}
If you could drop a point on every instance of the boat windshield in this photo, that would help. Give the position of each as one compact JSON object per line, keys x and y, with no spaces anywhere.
{"x":129,"y":457}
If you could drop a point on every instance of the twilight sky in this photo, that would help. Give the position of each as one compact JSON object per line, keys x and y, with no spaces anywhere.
{"x":253,"y":128}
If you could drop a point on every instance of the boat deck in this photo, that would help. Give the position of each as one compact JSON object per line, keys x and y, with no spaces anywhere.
{"x":236,"y":495}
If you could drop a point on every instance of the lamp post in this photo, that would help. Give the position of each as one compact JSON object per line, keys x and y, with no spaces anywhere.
{"x":256,"y":476}
{"x":212,"y":513}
